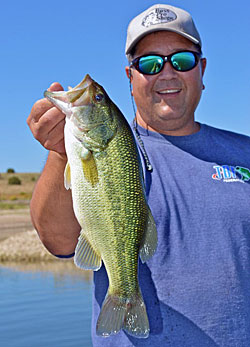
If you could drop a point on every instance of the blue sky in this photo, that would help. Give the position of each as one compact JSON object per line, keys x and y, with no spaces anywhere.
{"x":46,"y":41}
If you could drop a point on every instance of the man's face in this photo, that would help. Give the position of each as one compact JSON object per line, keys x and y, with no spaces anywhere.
{"x":158,"y":108}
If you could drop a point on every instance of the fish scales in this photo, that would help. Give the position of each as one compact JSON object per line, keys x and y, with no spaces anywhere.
{"x":121,"y":195}
{"x":105,"y":175}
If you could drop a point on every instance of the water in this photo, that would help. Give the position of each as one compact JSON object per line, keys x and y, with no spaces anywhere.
{"x":45,"y":305}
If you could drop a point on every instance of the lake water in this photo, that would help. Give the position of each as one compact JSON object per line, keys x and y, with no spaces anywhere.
{"x":45,"y":305}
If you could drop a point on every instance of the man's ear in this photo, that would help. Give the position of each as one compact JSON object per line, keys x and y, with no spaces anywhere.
{"x":128,"y":73}
{"x":203,"y":65}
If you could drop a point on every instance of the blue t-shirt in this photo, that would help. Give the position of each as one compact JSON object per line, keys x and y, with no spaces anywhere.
{"x":196,"y":287}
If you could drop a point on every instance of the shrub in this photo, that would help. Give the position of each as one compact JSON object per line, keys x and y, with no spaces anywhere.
{"x":14,"y":180}
{"x":10,"y":170}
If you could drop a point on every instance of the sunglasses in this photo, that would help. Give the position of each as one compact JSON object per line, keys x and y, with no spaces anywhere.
{"x":152,"y":64}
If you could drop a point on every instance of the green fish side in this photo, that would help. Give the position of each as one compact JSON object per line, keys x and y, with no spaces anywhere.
{"x":114,"y":211}
{"x":126,"y":212}
{"x":114,"y":214}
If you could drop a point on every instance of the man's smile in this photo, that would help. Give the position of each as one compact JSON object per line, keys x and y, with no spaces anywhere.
{"x":169,"y":91}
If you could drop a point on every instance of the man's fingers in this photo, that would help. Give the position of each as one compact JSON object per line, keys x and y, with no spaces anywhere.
{"x":43,"y":105}
{"x":60,"y":147}
{"x":50,"y":119}
{"x":55,"y":135}
{"x":46,"y":122}
{"x":39,"y":108}
{"x":55,"y":87}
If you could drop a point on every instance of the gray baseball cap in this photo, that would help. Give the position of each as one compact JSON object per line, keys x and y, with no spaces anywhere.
{"x":161,"y":17}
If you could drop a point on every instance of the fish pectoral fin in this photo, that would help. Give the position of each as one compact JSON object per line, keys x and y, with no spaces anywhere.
{"x":67,"y":177}
{"x":85,"y":256}
{"x":90,"y":169}
{"x":123,"y":313}
{"x":149,"y":240}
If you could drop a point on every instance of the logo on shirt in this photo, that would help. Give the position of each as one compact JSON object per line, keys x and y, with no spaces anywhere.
{"x":229,"y":173}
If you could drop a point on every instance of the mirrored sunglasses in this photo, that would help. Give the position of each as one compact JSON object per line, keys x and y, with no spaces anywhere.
{"x":152,"y":64}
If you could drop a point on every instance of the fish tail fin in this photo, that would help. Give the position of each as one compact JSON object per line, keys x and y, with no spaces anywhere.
{"x":136,"y":318}
{"x":111,"y":318}
{"x":119,"y":313}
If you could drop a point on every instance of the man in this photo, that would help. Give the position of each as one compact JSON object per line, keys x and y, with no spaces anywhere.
{"x":196,"y":287}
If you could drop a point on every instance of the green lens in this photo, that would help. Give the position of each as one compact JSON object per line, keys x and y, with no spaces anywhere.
{"x":151,"y":64}
{"x":183,"y":61}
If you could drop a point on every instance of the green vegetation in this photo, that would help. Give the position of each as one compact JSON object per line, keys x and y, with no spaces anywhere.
{"x":17,"y":196}
{"x":14,"y":180}
{"x":9,"y":206}
{"x":10,"y":170}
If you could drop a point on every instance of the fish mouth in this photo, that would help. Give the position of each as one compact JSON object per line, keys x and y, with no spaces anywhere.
{"x":77,"y":96}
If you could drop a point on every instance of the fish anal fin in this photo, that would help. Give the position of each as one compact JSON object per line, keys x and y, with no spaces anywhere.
{"x":90,"y":169}
{"x":120,"y":313}
{"x":149,"y":241}
{"x":85,"y":256}
{"x":67,"y":177}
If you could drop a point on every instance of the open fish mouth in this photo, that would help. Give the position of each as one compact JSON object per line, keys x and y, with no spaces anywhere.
{"x":77,"y":96}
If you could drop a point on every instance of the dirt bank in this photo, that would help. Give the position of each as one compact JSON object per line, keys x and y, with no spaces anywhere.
{"x":18,"y":239}
{"x":13,"y":222}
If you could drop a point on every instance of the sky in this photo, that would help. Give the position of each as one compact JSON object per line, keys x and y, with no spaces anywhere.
{"x":46,"y":41}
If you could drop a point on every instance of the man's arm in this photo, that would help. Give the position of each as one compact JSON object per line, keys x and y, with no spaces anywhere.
{"x":51,"y":208}
{"x":51,"y":204}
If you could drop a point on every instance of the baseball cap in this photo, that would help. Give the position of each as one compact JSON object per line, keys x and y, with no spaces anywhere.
{"x":161,"y":17}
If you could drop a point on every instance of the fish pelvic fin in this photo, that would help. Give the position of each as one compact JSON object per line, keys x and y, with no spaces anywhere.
{"x":149,"y":240}
{"x":85,"y":256}
{"x":67,"y":177}
{"x":120,"y":313}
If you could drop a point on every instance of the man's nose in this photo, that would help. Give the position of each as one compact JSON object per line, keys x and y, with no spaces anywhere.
{"x":168,"y":70}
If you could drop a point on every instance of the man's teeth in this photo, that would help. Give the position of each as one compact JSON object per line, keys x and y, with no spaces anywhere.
{"x":169,"y":91}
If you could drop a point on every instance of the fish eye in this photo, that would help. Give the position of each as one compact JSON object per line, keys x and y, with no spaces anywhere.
{"x":99,"y":97}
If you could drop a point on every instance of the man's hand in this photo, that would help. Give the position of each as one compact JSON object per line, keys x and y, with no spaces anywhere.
{"x":46,"y":123}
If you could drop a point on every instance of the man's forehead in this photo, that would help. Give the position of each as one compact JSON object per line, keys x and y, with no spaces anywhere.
{"x":167,"y":38}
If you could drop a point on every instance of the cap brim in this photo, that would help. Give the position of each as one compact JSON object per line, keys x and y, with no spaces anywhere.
{"x":134,"y":43}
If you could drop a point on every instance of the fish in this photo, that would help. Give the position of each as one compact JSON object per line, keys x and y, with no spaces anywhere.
{"x":105,"y":176}
{"x":245,"y":173}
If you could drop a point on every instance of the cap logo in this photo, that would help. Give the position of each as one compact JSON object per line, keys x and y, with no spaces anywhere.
{"x":158,"y":16}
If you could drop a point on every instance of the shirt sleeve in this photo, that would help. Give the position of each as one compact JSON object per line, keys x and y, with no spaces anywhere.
{"x":65,"y":256}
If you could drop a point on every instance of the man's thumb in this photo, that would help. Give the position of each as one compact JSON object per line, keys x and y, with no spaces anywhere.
{"x":55,"y":87}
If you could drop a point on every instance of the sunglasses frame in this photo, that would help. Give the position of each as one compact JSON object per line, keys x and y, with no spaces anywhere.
{"x":166,"y":58}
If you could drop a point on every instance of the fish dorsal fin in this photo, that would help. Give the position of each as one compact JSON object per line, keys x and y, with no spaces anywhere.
{"x":90,"y":169}
{"x":67,"y":177}
{"x":149,"y":241}
{"x":85,"y":256}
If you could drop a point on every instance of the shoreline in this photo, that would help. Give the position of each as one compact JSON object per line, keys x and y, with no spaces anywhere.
{"x":19,"y":241}
{"x":13,"y":222}
{"x":22,"y":250}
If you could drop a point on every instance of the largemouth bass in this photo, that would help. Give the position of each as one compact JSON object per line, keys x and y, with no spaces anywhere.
{"x":105,"y":175}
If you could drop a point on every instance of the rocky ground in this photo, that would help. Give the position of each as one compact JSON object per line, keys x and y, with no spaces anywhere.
{"x":19,"y":240}
{"x":22,"y":250}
